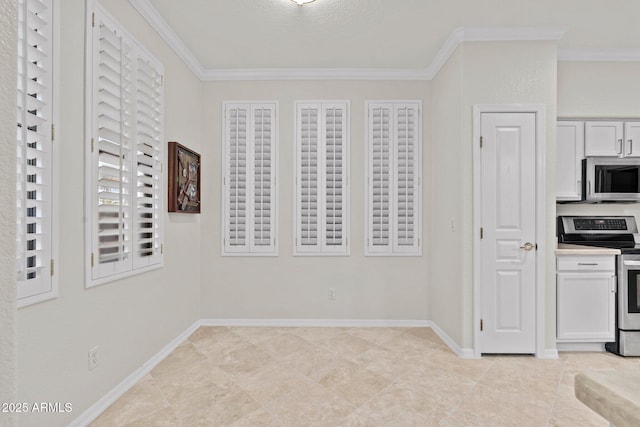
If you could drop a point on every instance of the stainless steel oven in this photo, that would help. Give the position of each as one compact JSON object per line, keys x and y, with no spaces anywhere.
{"x":628,"y":305}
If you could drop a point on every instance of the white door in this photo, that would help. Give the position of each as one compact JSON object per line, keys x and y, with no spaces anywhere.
{"x":508,"y":215}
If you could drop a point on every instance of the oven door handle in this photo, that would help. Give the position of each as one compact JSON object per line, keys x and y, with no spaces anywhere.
{"x":631,"y":263}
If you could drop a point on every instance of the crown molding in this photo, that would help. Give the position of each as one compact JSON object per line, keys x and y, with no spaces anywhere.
{"x":486,"y":34}
{"x":459,"y":35}
{"x":315,"y":74}
{"x":157,"y":22}
{"x":597,"y":55}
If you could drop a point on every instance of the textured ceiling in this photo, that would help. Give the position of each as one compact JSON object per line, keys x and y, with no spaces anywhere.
{"x":383,"y":34}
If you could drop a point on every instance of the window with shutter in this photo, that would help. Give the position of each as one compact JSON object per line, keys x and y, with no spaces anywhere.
{"x":321,"y":178}
{"x":125,"y":158}
{"x":35,"y":273}
{"x":250,"y":170}
{"x":394,"y":167}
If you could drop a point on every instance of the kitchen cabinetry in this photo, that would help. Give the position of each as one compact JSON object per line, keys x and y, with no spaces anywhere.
{"x":612,"y":139}
{"x":569,"y":155}
{"x":586,"y":286}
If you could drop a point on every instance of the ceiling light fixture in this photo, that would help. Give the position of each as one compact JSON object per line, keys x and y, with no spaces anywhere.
{"x":302,"y":2}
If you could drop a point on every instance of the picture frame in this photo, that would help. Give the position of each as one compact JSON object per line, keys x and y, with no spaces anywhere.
{"x":184,"y":179}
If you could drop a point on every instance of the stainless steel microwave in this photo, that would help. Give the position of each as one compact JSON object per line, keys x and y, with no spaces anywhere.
{"x":607,"y":179}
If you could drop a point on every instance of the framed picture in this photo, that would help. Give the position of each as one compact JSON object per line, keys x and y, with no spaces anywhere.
{"x":184,"y":179}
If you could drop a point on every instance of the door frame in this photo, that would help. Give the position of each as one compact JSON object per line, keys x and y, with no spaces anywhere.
{"x":540,"y":141}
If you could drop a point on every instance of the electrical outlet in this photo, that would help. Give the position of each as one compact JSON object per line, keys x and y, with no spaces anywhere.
{"x":332,"y":293}
{"x":93,"y":358}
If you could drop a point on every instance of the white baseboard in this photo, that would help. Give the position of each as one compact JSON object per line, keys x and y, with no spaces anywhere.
{"x":107,"y":400}
{"x":580,"y":346}
{"x":548,"y":353}
{"x":463,"y":353}
{"x":327,"y":323}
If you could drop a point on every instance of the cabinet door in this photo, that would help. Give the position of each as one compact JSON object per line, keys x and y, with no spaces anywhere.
{"x":586,"y":307}
{"x":603,"y":139}
{"x":569,"y":155}
{"x":632,"y":139}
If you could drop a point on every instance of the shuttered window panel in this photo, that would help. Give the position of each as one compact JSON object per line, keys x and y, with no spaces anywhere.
{"x":250,"y":169}
{"x":321,"y":178}
{"x":126,"y":154}
{"x":394,"y":178}
{"x":148,"y":142}
{"x":34,"y":152}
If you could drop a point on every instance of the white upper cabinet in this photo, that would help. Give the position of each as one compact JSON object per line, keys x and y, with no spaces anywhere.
{"x":612,"y":139}
{"x":569,"y":155}
{"x":632,"y":139}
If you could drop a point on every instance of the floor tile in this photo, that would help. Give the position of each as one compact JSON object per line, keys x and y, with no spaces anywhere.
{"x":352,"y":377}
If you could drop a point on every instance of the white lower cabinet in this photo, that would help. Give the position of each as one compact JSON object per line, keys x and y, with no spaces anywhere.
{"x":586,"y":297}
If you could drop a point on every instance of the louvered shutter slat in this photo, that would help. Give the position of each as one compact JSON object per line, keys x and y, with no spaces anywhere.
{"x":237,"y":120}
{"x":34,"y":175}
{"x":148,"y":163}
{"x":113,"y":146}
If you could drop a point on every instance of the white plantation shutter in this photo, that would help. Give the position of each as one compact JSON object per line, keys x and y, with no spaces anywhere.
{"x":125,"y":170}
{"x":249,"y":178}
{"x":148,"y":198}
{"x":321,"y":181}
{"x":34,"y":151}
{"x":380,"y":174}
{"x":394,"y":172}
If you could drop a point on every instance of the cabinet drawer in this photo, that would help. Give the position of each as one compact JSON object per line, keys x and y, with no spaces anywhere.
{"x":586,"y":263}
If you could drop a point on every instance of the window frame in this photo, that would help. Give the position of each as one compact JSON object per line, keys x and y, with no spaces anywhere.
{"x":94,"y":12}
{"x":52,"y":292}
{"x":346,"y":136}
{"x":274,"y":252}
{"x":390,"y":251}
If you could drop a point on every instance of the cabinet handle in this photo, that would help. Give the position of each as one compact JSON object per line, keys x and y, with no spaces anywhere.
{"x":619,"y":146}
{"x":614,"y":284}
{"x":630,"y":147}
{"x":587,"y":263}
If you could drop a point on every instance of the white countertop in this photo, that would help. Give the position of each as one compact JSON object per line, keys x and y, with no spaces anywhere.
{"x":613,"y":394}
{"x":567,"y":249}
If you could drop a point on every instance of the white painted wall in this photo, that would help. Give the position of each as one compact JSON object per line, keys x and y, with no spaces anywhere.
{"x":599,"y":90}
{"x":287,"y":287}
{"x":446,"y":290}
{"x":489,"y":73}
{"x":8,"y":78}
{"x":132,"y":319}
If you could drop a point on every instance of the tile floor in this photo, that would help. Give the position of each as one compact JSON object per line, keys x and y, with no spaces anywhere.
{"x":352,"y":377}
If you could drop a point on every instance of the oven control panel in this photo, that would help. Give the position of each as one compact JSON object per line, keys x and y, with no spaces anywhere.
{"x":581,"y":224}
{"x":616,"y":225}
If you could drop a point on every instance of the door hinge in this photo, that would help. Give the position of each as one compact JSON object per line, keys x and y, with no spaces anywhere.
{"x":93,"y":19}
{"x":52,"y":266}
{"x":53,"y":131}
{"x":481,"y":233}
{"x":92,"y":145}
{"x":481,"y":325}
{"x":481,"y":142}
{"x":91,"y":259}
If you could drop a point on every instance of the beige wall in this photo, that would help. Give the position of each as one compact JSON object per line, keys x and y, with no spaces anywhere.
{"x":446,"y":290}
{"x":8,"y":61}
{"x":599,"y":90}
{"x":129,"y":320}
{"x":491,"y":73}
{"x":288,"y":287}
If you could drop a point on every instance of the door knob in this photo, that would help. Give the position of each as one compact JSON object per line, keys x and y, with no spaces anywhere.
{"x":527,"y":246}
